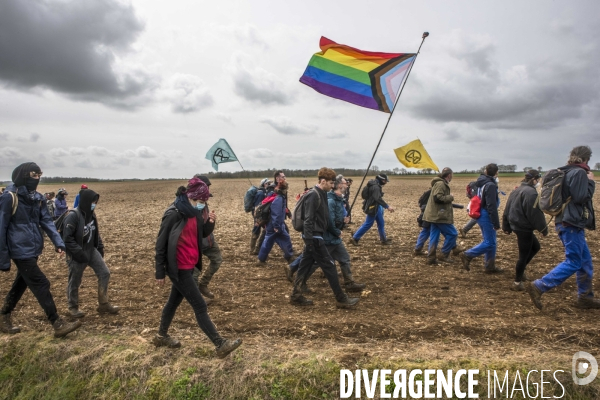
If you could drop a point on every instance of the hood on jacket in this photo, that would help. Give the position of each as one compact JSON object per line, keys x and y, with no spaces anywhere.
{"x":484,"y":179}
{"x":436,"y":180}
{"x":86,"y":198}
{"x":332,"y":195}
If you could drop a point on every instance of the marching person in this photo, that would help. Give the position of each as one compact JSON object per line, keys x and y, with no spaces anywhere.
{"x":60,"y":203}
{"x":522,"y":216}
{"x":333,"y":235}
{"x":489,"y":221}
{"x":50,"y":203}
{"x":210,"y":249}
{"x":76,"y":202}
{"x":347,"y":199}
{"x":578,"y":214}
{"x":316,"y":221}
{"x":178,"y":252}
{"x":276,"y":229}
{"x":257,"y":229}
{"x":81,"y":235}
{"x":440,"y":215}
{"x":373,"y":206}
{"x":21,"y":240}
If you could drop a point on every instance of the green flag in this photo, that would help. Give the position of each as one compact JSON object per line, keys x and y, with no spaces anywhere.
{"x":220,"y":153}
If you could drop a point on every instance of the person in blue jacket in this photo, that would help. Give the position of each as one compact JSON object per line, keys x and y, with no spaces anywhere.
{"x":76,"y":202}
{"x":60,"y":203}
{"x":23,"y":212}
{"x":276,"y":230}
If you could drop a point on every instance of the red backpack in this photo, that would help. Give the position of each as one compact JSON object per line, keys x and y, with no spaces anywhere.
{"x":474,"y":208}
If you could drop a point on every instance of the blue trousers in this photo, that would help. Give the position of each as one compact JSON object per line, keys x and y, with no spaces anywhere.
{"x":282,"y":238}
{"x":578,"y":260}
{"x":369,"y":223}
{"x":450,"y":234}
{"x":423,"y":236}
{"x":488,"y":246}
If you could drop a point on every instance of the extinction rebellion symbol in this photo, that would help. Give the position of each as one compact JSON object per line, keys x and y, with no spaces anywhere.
{"x":221,"y":156}
{"x":413,"y":156}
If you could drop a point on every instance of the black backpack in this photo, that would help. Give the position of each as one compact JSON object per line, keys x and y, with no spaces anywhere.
{"x":298,"y":214}
{"x":60,"y":222}
{"x":471,"y":189}
{"x":424,"y":199}
{"x":262,"y":213}
{"x":365,"y":192}
{"x":551,"y":195}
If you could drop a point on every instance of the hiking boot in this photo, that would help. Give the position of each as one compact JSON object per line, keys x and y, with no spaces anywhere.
{"x":587,"y":303}
{"x":288,"y":273}
{"x":354,"y":287}
{"x":517,"y":287}
{"x":494,"y":270}
{"x":457,"y":250}
{"x":227,"y":347}
{"x":107,"y":308}
{"x":535,"y":294}
{"x":347,"y":302}
{"x":62,"y":328}
{"x":166,"y":340}
{"x":76,"y":312}
{"x":466,"y":260}
{"x":463,"y":233}
{"x":205,"y":292}
{"x":524,"y":278}
{"x":300,"y":301}
{"x":446,"y":258}
{"x":261,"y":263}
{"x":418,"y":252}
{"x":354,"y":242}
{"x":6,"y":325}
{"x":386,"y":242}
{"x":432,"y":258}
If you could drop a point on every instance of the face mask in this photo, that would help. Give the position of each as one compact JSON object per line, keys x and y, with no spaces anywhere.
{"x":93,"y":206}
{"x":497,"y":180}
{"x":200,"y":206}
{"x":31,"y":184}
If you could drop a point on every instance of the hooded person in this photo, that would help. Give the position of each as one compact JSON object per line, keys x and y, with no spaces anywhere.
{"x":373,"y":206}
{"x":84,"y":245}
{"x":60,"y":203}
{"x":22,"y":214}
{"x":178,"y":252}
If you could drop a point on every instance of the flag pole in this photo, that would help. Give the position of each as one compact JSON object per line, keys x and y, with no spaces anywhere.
{"x":425,"y":34}
{"x":238,"y":160}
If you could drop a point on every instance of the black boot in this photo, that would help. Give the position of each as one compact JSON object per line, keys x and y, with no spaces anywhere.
{"x":6,"y":325}
{"x":432,"y":258}
{"x":466,"y":261}
{"x":350,"y":285}
{"x":490,"y":267}
{"x":62,"y":328}
{"x":347,"y":302}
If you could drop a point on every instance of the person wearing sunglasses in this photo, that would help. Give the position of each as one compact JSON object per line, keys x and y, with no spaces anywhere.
{"x":22,"y":213}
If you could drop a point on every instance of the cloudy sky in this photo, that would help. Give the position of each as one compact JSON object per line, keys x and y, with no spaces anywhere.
{"x":119,"y":89}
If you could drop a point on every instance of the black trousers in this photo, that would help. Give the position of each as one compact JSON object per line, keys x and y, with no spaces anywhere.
{"x":528,"y":248}
{"x":187,"y":288}
{"x":317,"y":253}
{"x":29,"y":275}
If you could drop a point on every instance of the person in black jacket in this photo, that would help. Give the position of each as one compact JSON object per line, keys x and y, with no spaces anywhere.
{"x":23,"y":215}
{"x":489,"y":222}
{"x":316,"y":221}
{"x":578,"y":214}
{"x":523,"y":216}
{"x":84,"y":245}
{"x":178,"y":252}
{"x":373,"y":206}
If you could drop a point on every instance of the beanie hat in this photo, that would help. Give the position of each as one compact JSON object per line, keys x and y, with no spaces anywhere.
{"x":21,"y":173}
{"x":197,"y":190}
{"x":262,"y":182}
{"x":382,"y":178}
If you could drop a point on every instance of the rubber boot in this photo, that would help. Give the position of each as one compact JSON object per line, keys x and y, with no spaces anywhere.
{"x":418,"y":252}
{"x":432,"y":258}
{"x":466,"y":261}
{"x":6,"y":325}
{"x":490,"y":267}
{"x":253,"y":241}
{"x":457,"y":250}
{"x":446,"y":258}
{"x":350,"y":285}
{"x":104,"y":307}
{"x":260,"y":241}
{"x":297,"y":299}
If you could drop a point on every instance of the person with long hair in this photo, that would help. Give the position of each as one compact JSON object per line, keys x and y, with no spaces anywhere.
{"x":178,"y":252}
{"x":522,"y":215}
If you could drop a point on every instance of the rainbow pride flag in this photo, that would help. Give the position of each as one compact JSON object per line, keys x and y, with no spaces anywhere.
{"x":365,"y":78}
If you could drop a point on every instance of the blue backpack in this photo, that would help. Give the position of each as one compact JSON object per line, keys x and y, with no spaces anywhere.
{"x":249,"y":198}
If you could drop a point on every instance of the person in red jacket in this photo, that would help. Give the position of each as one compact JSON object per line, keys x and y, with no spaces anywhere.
{"x":178,"y":252}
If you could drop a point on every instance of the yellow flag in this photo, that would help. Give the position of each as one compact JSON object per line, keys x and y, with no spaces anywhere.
{"x":414,"y":155}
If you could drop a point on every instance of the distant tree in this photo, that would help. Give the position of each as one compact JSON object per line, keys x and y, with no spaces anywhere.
{"x":527,"y":169}
{"x":540,"y":169}
{"x":597,"y":166}
{"x":396,"y":171}
{"x":375,"y":168}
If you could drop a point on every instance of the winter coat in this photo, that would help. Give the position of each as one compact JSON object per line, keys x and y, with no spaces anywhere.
{"x":76,"y":202}
{"x":60,"y":206}
{"x":580,"y":210}
{"x":316,"y":214}
{"x":439,"y":206}
{"x":335,"y":204}
{"x":75,"y":225}
{"x":375,"y":198}
{"x":522,"y":213}
{"x":20,"y":234}
{"x":171,"y":227}
{"x":278,"y":213}
{"x":489,"y":198}
{"x":259,"y":197}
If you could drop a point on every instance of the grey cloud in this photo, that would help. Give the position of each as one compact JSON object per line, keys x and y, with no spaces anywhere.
{"x":260,"y":153}
{"x":188,"y":94}
{"x":145,"y":152}
{"x":98,"y":151}
{"x":71,"y":47}
{"x":10,"y":156}
{"x":540,"y":95}
{"x":250,"y":35}
{"x":225,"y":117}
{"x":337,"y":136}
{"x":258,"y":85}
{"x":34,"y":137}
{"x":86,"y":163}
{"x":3,"y":136}
{"x":285,"y":126}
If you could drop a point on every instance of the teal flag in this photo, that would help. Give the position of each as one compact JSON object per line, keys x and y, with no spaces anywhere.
{"x":220,"y":153}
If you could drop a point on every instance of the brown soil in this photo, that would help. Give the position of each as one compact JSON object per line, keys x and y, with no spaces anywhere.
{"x":407,"y":303}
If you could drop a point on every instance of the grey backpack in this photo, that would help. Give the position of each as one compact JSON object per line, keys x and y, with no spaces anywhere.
{"x":298,"y":214}
{"x":551,"y":196}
